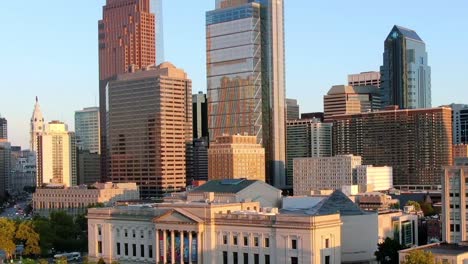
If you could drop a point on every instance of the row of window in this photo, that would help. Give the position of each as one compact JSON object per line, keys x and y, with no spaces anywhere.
{"x":256,"y":241}
{"x":256,"y":258}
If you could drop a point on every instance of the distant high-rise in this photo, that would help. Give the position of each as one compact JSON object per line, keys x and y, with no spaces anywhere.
{"x":23,"y":169}
{"x":5,"y":166}
{"x":460,"y":123}
{"x":292,"y":109}
{"x":199,"y":162}
{"x":3,"y":128}
{"x":87,"y":129}
{"x":246,"y":76}
{"x":56,"y":157}
{"x":307,"y":138}
{"x":343,"y":99}
{"x":37,"y":126}
{"x":405,"y":74}
{"x":126,"y":40}
{"x":417,"y":143}
{"x":156,"y":7}
{"x":200,"y":115}
{"x":150,"y":128}
{"x":371,"y":78}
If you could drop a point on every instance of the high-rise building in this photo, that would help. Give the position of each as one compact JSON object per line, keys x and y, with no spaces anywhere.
{"x":405,"y":74}
{"x":370,"y":78}
{"x":199,"y":169}
{"x":88,"y":167}
{"x":416,"y":143}
{"x":343,"y":99}
{"x":126,"y":41}
{"x":156,"y":7}
{"x":312,"y":115}
{"x":460,"y":151}
{"x":3,"y":128}
{"x":245,"y":72}
{"x":87,"y":129}
{"x":150,"y":128}
{"x":236,"y":157}
{"x":37,"y":127}
{"x":460,"y":123}
{"x":200,"y":115}
{"x":5,"y":166}
{"x":23,"y":169}
{"x":307,"y":138}
{"x":56,"y":156}
{"x":292,"y":109}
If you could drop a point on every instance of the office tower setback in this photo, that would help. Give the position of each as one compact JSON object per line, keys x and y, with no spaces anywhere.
{"x":87,"y":129}
{"x":37,"y":127}
{"x":245,"y":74}
{"x":292,"y":109}
{"x":312,"y":115}
{"x":343,"y":99}
{"x":56,"y":156}
{"x":200,"y":115}
{"x":416,"y":143}
{"x":307,"y":138}
{"x":236,"y":157}
{"x":3,"y":128}
{"x":405,"y":74}
{"x":460,"y":123}
{"x":150,"y":127}
{"x":5,"y":167}
{"x":370,"y":78}
{"x":126,"y":41}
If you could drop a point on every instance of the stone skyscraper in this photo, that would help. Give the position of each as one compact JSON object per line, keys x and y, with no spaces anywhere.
{"x":150,"y":128}
{"x":37,"y":126}
{"x":405,"y":74}
{"x":126,"y":40}
{"x":245,"y":74}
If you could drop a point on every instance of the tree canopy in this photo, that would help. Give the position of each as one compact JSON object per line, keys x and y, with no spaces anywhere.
{"x":387,"y":251}
{"x":419,"y":257}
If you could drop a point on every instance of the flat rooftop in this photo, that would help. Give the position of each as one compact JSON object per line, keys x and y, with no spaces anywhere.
{"x":442,"y":249}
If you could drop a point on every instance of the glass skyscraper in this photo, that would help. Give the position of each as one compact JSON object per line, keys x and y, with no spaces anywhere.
{"x":156,"y":7}
{"x":245,"y":73}
{"x":405,"y":74}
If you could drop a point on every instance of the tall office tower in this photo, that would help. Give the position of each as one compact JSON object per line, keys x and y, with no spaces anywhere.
{"x":87,"y":129}
{"x":307,"y":138}
{"x":56,"y":156}
{"x":37,"y":126}
{"x":343,"y":99}
{"x":156,"y":7}
{"x":416,"y":143}
{"x":150,"y":127}
{"x":460,"y":123}
{"x":23,"y":169}
{"x":454,"y":203}
{"x":5,"y":166}
{"x":405,"y":74}
{"x":126,"y":40}
{"x":245,"y":74}
{"x":370,"y":78}
{"x":3,"y":128}
{"x":236,"y":157}
{"x":200,"y":115}
{"x":292,"y":109}
{"x":199,"y":170}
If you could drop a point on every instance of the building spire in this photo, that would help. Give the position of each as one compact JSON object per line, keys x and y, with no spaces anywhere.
{"x":36,"y":99}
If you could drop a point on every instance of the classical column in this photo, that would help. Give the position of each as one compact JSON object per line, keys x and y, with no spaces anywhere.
{"x":199,"y":243}
{"x":181,"y":235}
{"x":156,"y":254}
{"x":164,"y":246}
{"x":172,"y":246}
{"x":190,"y":247}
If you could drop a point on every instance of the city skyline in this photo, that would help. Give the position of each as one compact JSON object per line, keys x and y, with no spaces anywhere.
{"x":55,"y":79}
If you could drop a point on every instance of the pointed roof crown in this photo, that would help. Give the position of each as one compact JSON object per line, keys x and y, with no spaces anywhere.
{"x":37,"y":113}
{"x":406,"y":32}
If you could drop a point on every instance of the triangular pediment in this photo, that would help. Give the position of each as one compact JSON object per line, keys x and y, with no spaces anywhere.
{"x":179,"y":216}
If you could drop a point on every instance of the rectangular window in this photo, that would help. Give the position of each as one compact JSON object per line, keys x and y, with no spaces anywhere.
{"x":118,"y":249}
{"x":126,"y":249}
{"x":134,"y":249}
{"x":126,"y":233}
{"x":267,"y":259}
{"x":267,"y":242}
{"x":327,"y":243}
{"x":142,"y":251}
{"x":99,"y":247}
{"x":294,"y":244}
{"x":150,"y":251}
{"x":225,"y":257}
{"x":235,"y":259}
{"x":294,"y":260}
{"x":256,"y":259}
{"x":246,"y":258}
{"x":246,"y":241}
{"x":234,"y":240}
{"x":133,"y":233}
{"x":256,"y":241}
{"x":327,"y":259}
{"x":141,"y":234}
{"x":225,"y":239}
{"x":99,"y":230}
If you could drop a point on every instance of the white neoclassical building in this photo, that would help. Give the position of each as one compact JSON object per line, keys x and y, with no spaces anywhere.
{"x":212,"y":231}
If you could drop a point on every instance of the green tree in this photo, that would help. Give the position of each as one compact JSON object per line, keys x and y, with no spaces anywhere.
{"x":29,"y":237}
{"x":7,"y":236}
{"x":43,"y":261}
{"x":387,"y":251}
{"x":427,"y":209}
{"x":28,"y":261}
{"x":62,"y":260}
{"x":419,"y":257}
{"x":416,"y":205}
{"x":46,"y":233}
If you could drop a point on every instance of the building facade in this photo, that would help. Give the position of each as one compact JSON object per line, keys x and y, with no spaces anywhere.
{"x":292,"y":109}
{"x":370,"y":78}
{"x":460,"y":151}
{"x":150,"y":128}
{"x":87,"y":130}
{"x":342,"y":99}
{"x":442,"y":252}
{"x":199,"y":170}
{"x":23,"y":169}
{"x":200,"y":115}
{"x":3,"y":128}
{"x":373,"y":178}
{"x":460,"y":123}
{"x":236,"y":157}
{"x":307,"y":138}
{"x":405,"y":74}
{"x":88,"y":167}
{"x":56,"y":156}
{"x":399,"y":226}
{"x":77,"y":199}
{"x":246,"y":77}
{"x":5,"y":166}
{"x":416,"y":143}
{"x":37,"y":127}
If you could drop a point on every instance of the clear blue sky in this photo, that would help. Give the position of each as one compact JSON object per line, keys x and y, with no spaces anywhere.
{"x":49,"y":49}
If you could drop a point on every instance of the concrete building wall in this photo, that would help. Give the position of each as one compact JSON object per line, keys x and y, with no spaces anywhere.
{"x":362,"y":249}
{"x":372,"y":178}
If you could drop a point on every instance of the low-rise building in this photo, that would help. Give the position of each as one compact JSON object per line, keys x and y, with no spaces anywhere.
{"x":398,"y":225}
{"x":76,"y":199}
{"x":442,"y":252}
{"x":375,"y":201}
